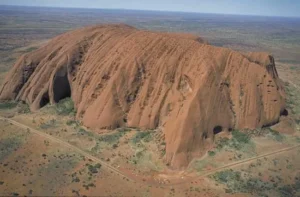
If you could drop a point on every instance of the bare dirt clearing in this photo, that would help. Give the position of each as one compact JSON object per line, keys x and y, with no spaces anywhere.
{"x":161,"y":182}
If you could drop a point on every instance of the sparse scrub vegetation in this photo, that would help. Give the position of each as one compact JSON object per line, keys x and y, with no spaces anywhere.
{"x":238,"y":182}
{"x":55,"y":168}
{"x":291,"y":189}
{"x":222,"y":142}
{"x":123,"y":129}
{"x":8,"y":145}
{"x":293,"y":99}
{"x":238,"y":141}
{"x":8,"y":105}
{"x":94,"y":168}
{"x":276,"y":135}
{"x":211,"y":153}
{"x":50,"y":124}
{"x":46,"y":142}
{"x":226,"y":176}
{"x":113,"y":138}
{"x":201,"y":164}
{"x":72,"y":122}
{"x":142,"y":135}
{"x":82,"y":131}
{"x":96,"y":148}
{"x":23,"y":108}
{"x":89,"y":185}
{"x":144,"y":158}
{"x":240,"y":137}
{"x":65,"y":107}
{"x":143,"y":155}
{"x":76,"y":179}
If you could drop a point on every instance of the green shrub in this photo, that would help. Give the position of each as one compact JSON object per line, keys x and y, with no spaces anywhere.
{"x":123,"y":129}
{"x":291,"y":189}
{"x":23,"y":108}
{"x":89,"y":185}
{"x":113,"y":138}
{"x":8,"y":105}
{"x":239,"y":141}
{"x":8,"y":146}
{"x":82,"y":131}
{"x":226,"y":176}
{"x":293,"y":99}
{"x":115,"y":146}
{"x":142,"y":135}
{"x":222,"y":142}
{"x":96,"y":148}
{"x":211,"y":153}
{"x":286,"y":191}
{"x":276,"y":135}
{"x":240,"y":137}
{"x":72,"y":122}
{"x":94,"y":169}
{"x":65,"y":107}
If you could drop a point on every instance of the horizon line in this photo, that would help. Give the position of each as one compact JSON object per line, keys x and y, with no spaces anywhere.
{"x":149,"y":10}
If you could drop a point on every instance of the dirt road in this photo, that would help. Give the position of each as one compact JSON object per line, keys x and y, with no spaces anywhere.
{"x":136,"y":179}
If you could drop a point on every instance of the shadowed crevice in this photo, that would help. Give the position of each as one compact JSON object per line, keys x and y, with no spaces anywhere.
{"x":61,"y":87}
{"x":285,"y":112}
{"x":218,"y":129}
{"x":44,"y":100}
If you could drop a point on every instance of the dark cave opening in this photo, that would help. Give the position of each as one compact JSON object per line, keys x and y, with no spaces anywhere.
{"x":61,"y":87}
{"x":218,"y":129}
{"x":285,"y":112}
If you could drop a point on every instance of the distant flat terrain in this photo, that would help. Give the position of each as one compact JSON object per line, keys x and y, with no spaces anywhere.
{"x":20,"y":26}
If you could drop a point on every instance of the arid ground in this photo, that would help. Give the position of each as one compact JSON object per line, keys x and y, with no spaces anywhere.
{"x":49,"y":153}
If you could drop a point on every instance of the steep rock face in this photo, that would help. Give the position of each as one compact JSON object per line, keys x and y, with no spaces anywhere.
{"x":120,"y":76}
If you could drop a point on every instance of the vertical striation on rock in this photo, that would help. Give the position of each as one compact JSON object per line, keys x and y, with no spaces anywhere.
{"x":119,"y":76}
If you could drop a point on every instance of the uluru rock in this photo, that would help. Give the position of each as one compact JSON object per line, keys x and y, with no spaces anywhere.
{"x":119,"y":76}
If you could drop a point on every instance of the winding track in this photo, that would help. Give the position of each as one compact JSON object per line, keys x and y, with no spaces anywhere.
{"x":87,"y":155}
{"x":54,"y":139}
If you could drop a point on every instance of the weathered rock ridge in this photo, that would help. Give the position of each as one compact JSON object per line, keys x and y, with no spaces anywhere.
{"x":119,"y":76}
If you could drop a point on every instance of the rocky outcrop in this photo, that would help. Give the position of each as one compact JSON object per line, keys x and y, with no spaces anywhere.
{"x":119,"y":76}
